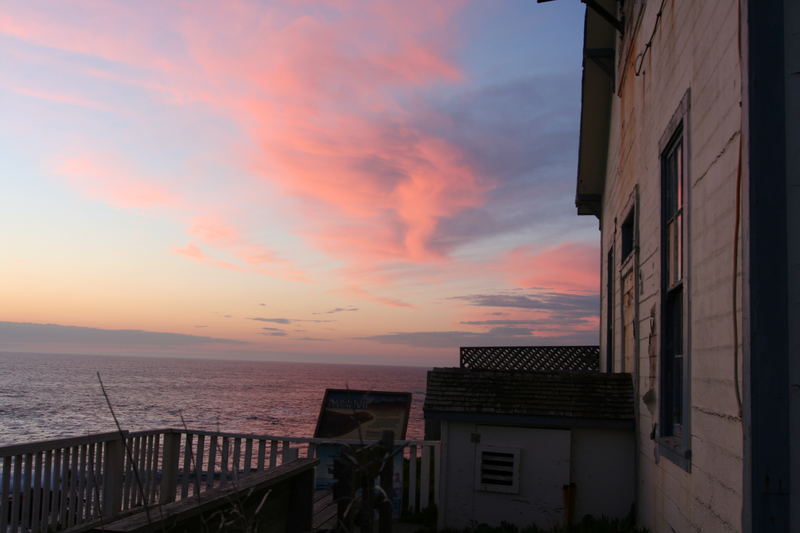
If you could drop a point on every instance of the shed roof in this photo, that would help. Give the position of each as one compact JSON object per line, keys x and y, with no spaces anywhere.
{"x":574,"y":395}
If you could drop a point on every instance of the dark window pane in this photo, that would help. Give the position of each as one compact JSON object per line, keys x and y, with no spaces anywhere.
{"x":678,"y":155}
{"x":674,"y":359}
{"x":627,"y":236}
{"x":678,"y":248}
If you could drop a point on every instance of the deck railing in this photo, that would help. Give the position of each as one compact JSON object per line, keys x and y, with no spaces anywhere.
{"x":51,"y":485}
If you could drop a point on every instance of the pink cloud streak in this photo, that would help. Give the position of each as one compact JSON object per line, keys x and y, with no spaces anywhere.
{"x":569,"y":267}
{"x":109,"y":181}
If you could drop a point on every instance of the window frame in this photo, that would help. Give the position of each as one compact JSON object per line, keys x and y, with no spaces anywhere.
{"x":674,"y":420}
{"x":627,"y":234}
{"x":611,"y":272}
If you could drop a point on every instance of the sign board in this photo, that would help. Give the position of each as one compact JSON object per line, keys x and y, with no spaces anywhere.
{"x":362,"y":415}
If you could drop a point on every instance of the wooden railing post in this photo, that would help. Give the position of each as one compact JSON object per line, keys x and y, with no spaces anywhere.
{"x":387,"y":480}
{"x":289,"y":454}
{"x":112,"y":476}
{"x":425,"y":478}
{"x":169,"y":467}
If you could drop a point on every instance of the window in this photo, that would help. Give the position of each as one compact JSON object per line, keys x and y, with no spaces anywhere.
{"x":497,"y":469}
{"x":672,"y":287}
{"x":627,"y":236}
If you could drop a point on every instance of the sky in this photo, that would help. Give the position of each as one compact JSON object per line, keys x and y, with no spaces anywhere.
{"x":327,"y":181}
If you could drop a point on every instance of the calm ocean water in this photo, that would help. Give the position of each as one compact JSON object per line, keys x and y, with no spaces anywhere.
{"x":50,"y":396}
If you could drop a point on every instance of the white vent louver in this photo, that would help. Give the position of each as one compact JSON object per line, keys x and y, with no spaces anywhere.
{"x":497,"y":469}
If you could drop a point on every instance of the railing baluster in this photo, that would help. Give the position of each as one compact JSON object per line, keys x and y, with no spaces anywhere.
{"x":5,"y":487}
{"x":147,"y":483}
{"x":65,"y":484}
{"x":425,"y":478}
{"x":273,"y":454}
{"x":73,"y":486}
{"x":98,"y":476}
{"x":131,"y":453}
{"x":55,"y":497}
{"x":138,"y":473}
{"x":15,"y":495}
{"x":285,"y":455}
{"x":223,"y":475}
{"x":27,"y":492}
{"x":187,"y":465}
{"x":198,"y":462}
{"x":147,"y":468}
{"x":154,"y":461}
{"x":141,"y":464}
{"x":237,"y":445}
{"x":212,"y":459}
{"x":248,"y":455}
{"x":37,"y":492}
{"x":88,"y":506}
{"x":128,"y":490}
{"x":46,"y":491}
{"x":412,"y":478}
{"x":262,"y":448}
{"x":80,"y":497}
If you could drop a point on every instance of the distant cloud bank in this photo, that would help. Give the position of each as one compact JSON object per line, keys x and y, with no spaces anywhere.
{"x":41,"y":334}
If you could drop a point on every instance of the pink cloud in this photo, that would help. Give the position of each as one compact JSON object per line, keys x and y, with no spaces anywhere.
{"x":60,"y":98}
{"x":214,"y":230}
{"x":323,"y":96}
{"x":362,"y":293}
{"x":191,"y":251}
{"x":570,"y":267}
{"x":111,"y":181}
{"x":330,"y":128}
{"x":108,"y":180}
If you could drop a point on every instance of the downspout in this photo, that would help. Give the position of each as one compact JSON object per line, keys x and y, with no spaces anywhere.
{"x":637,"y":348}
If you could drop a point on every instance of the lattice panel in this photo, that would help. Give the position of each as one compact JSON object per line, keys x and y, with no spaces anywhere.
{"x":531,"y":358}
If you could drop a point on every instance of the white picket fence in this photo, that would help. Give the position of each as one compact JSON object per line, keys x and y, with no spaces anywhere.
{"x":59,"y":484}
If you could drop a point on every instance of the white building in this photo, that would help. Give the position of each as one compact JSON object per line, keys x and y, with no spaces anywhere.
{"x":690,"y":159}
{"x":531,"y":447}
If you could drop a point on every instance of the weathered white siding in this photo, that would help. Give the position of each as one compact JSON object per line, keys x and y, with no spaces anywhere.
{"x":598,"y":461}
{"x":695,"y":50}
{"x":544,"y":469}
{"x":603,"y":472}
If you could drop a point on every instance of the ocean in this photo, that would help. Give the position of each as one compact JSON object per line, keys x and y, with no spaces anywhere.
{"x":52,"y":396}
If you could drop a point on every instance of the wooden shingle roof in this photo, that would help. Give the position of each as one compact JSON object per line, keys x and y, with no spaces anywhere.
{"x":560,"y":394}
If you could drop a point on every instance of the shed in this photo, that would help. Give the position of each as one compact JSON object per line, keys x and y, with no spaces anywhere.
{"x":531,"y":447}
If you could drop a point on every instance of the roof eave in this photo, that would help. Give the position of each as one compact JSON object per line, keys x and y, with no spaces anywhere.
{"x":596,"y":91}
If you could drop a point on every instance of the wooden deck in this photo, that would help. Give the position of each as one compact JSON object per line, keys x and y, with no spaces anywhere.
{"x":324,"y":518}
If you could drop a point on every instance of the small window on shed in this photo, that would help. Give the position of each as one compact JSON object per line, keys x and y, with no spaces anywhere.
{"x":627,"y":236}
{"x":497,"y":469}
